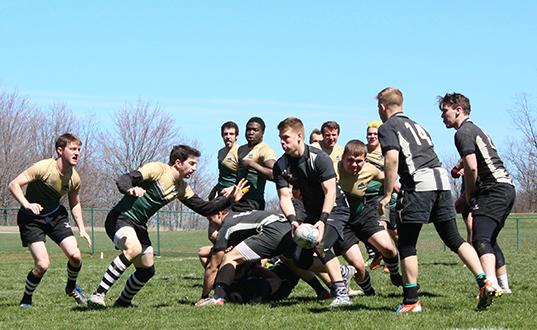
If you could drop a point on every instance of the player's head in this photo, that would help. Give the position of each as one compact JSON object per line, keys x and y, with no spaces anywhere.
{"x":184,"y":159}
{"x":316,"y":135}
{"x":455,"y":107}
{"x":229,"y":132}
{"x":255,"y":128}
{"x":292,"y":136}
{"x":373,"y":133}
{"x":68,"y":148}
{"x":354,"y":156}
{"x":390,"y":101}
{"x":330,"y":130}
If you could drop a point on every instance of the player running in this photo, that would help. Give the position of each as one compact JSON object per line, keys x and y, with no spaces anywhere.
{"x":147,"y":190}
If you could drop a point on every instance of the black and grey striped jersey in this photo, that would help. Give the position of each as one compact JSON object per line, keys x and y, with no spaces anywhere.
{"x":238,"y":226}
{"x":470,"y":139}
{"x":419,"y":166}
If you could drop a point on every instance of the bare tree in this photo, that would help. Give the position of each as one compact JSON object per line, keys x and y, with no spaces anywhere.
{"x":522,"y":155}
{"x":142,"y":133}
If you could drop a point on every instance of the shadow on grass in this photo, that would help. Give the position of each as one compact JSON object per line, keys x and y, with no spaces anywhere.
{"x":353,"y":307}
{"x":441,"y":263}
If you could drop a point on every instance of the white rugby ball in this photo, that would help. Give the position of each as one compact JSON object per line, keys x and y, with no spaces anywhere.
{"x":306,"y":236}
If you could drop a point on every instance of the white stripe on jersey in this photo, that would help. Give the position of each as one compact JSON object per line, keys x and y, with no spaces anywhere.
{"x":405,"y":148}
{"x":499,"y":174}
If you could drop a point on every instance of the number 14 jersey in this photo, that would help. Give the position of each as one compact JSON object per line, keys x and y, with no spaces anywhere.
{"x":419,"y":166}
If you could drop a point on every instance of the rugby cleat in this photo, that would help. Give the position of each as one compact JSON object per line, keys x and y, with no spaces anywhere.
{"x":25,"y":306}
{"x":486,"y":294}
{"x":210,"y":302}
{"x":96,"y":300}
{"x":409,"y":308}
{"x":78,"y":295}
{"x":119,"y":304}
{"x":340,"y":301}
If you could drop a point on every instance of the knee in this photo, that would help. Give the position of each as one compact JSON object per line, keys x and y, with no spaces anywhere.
{"x":388,"y":251}
{"x":41,"y":267}
{"x":132,"y":249}
{"x":482,"y":246}
{"x":407,"y":251}
{"x":75,"y":257}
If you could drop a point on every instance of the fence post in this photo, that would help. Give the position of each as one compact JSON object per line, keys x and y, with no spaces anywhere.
{"x":158,"y":233}
{"x":517,"y":233}
{"x":92,"y":231}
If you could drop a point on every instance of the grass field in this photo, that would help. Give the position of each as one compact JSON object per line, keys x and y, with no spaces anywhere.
{"x":448,"y":293}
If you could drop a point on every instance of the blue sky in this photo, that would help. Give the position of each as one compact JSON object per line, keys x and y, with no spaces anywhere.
{"x":206,"y":62}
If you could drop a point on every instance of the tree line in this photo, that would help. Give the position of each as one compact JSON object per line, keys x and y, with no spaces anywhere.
{"x":140,"y":133}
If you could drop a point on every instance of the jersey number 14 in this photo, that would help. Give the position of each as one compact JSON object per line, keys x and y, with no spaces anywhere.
{"x":418,"y":133}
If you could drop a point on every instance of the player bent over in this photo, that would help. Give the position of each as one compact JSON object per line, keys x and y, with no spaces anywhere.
{"x":426,"y":195}
{"x":355,"y":177}
{"x":273,"y":239}
{"x":312,"y":172}
{"x":146,"y":191}
{"x":41,"y":215}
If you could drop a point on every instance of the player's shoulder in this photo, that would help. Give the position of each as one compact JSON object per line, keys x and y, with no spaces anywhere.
{"x":468,"y":128}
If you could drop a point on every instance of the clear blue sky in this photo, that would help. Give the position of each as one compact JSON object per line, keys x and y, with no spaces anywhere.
{"x":206,"y":62}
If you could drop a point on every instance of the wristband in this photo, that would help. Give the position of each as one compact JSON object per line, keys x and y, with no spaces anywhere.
{"x":324,"y":217}
{"x":291,"y":218}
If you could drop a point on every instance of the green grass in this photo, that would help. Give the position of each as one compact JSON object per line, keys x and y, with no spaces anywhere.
{"x":448,"y":292}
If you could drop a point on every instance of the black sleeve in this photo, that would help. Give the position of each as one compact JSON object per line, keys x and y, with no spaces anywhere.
{"x":388,"y":138}
{"x":129,"y":180}
{"x":221,"y":239}
{"x":325,"y":167}
{"x":279,"y":178}
{"x":464,"y":141}
{"x":205,"y":208}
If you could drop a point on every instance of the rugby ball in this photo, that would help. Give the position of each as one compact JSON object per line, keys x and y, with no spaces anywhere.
{"x":306,"y":236}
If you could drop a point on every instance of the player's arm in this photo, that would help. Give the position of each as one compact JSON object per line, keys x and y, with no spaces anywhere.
{"x":76,"y":212}
{"x":287,"y":207}
{"x":211,"y":270}
{"x":329,"y":189}
{"x":206,"y":208}
{"x":264,"y":169}
{"x":391,"y":163}
{"x":15,"y":187}
{"x":129,"y":184}
{"x":470,"y":176}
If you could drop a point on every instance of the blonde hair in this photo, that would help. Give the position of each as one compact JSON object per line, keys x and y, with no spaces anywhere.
{"x":374,"y":124}
{"x":390,"y":96}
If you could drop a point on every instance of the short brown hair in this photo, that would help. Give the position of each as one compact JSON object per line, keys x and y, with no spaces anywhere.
{"x":66,"y":138}
{"x":182,"y":152}
{"x":355,"y":148}
{"x":330,"y":125}
{"x":293,"y":123}
{"x":229,"y":124}
{"x":390,"y":96}
{"x":455,"y":100}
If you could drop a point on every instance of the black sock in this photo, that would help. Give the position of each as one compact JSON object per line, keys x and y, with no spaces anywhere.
{"x":134,"y":284}
{"x":72,"y":275}
{"x":31,"y":284}
{"x":410,"y":293}
{"x":220,"y":290}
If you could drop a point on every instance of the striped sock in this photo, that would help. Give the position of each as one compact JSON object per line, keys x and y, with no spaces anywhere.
{"x":113,"y":273}
{"x":392,"y":264}
{"x":31,"y":284}
{"x":72,"y":275}
{"x":365,"y":284}
{"x":134,"y":284}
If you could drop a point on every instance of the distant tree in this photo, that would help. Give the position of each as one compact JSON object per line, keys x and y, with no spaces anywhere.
{"x":522,"y":154}
{"x":141,"y":133}
{"x":17,"y":118}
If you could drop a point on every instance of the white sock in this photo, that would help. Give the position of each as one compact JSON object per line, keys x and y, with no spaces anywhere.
{"x":503,"y":281}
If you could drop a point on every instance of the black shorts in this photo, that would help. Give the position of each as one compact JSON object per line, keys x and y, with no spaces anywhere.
{"x":495,"y":202}
{"x":273,"y":240}
{"x":245,"y":205}
{"x":338,"y":219}
{"x":360,"y":228}
{"x":421,"y":207}
{"x":34,"y":228}
{"x":115,"y":221}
